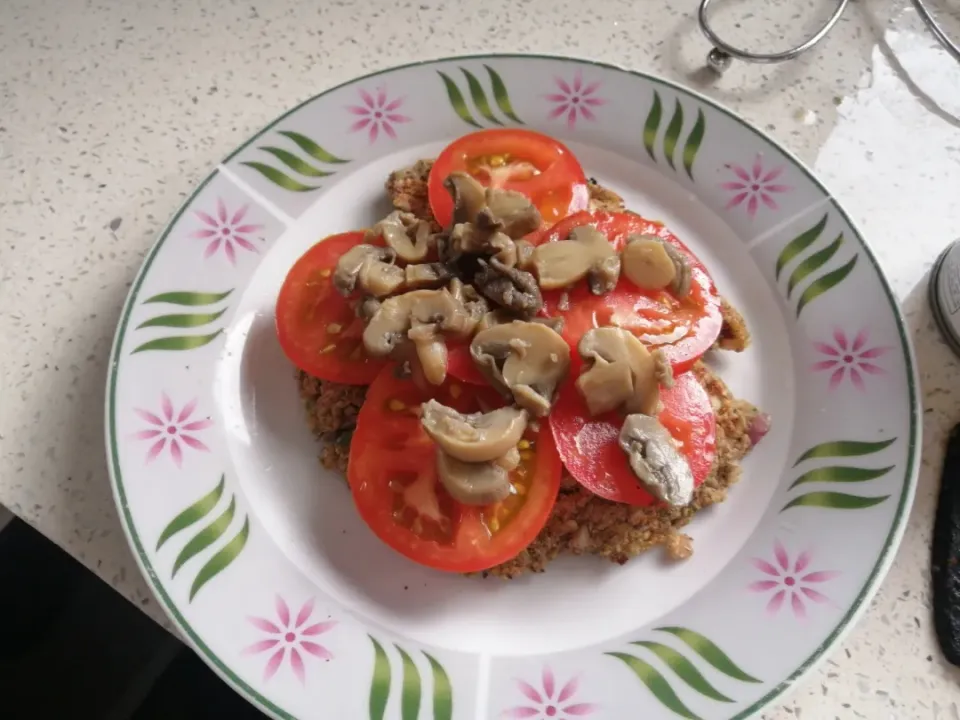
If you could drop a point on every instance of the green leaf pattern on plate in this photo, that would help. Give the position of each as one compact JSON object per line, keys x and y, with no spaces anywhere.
{"x":411,"y":686}
{"x":839,"y":474}
{"x":672,"y":135}
{"x":297,"y":164}
{"x":682,"y":666}
{"x":183,"y":321}
{"x":812,"y":263}
{"x":478,"y":95}
{"x":204,"y":539}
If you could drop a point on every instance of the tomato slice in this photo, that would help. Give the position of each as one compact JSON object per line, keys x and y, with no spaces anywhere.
{"x":536,"y":165}
{"x":461,"y":366}
{"x":683,"y":328}
{"x":318,"y":328}
{"x":393,"y":478}
{"x":591,"y":452}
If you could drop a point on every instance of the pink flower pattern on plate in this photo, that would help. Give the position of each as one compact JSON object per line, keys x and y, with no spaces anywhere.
{"x":172,"y":430}
{"x":378,"y":112}
{"x":575,"y":100}
{"x":754,"y":186}
{"x":550,"y":702}
{"x":849,"y":358}
{"x":790,"y":581}
{"x":226,"y":230}
{"x":289,"y":639}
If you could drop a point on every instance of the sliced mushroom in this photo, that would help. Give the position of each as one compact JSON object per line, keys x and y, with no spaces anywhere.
{"x":431,"y":351}
{"x":508,"y":287}
{"x":470,"y":239}
{"x":469,"y":196}
{"x":367,"y":308}
{"x":367,"y":264}
{"x":586,"y":253}
{"x":502,"y":316}
{"x":425,"y":275}
{"x":524,"y":255}
{"x":604,"y":388}
{"x":479,"y":483}
{"x":509,"y":211}
{"x":408,"y":236}
{"x":524,"y":360}
{"x":379,"y":279}
{"x":652,"y":263}
{"x":475,"y":437}
{"x":655,"y":459}
{"x":396,"y":315}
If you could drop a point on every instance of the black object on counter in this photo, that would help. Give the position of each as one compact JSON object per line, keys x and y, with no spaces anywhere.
{"x":945,"y":554}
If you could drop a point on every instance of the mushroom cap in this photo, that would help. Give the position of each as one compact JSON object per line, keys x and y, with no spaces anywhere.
{"x":469,"y":196}
{"x":646,"y":262}
{"x":467,"y":238}
{"x":480,"y":483}
{"x":353,"y":262}
{"x":524,"y":359}
{"x":474,"y":437}
{"x":586,"y":252}
{"x":510,"y":211}
{"x":648,"y":266}
{"x":408,"y":236}
{"x":655,"y":459}
{"x":602,"y":386}
{"x":390,"y":323}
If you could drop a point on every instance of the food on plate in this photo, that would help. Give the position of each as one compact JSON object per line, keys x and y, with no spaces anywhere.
{"x":508,"y":366}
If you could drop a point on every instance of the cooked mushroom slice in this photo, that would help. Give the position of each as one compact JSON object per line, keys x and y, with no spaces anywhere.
{"x":524,"y":360}
{"x":410,"y":237}
{"x":366,"y":264}
{"x":379,"y":279}
{"x":475,"y":437}
{"x":479,"y":483}
{"x":509,"y":211}
{"x":431,"y":351}
{"x":524,"y":255}
{"x":604,"y":388}
{"x":509,"y":287}
{"x":469,"y":197}
{"x":466,"y":238}
{"x":586,"y":253}
{"x":425,"y":275}
{"x":501,"y":316}
{"x":396,"y":315}
{"x":367,"y":308}
{"x":475,"y":306}
{"x":655,"y":459}
{"x":653,"y":264}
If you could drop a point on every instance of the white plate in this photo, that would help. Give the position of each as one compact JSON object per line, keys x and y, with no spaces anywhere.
{"x":257,"y":553}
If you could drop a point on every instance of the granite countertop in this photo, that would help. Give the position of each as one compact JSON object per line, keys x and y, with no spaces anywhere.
{"x":112,"y":111}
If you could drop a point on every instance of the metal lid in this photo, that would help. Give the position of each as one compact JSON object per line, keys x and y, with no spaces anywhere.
{"x":943,"y":293}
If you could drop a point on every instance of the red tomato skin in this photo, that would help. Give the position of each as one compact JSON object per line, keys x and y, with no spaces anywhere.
{"x":308,"y":305}
{"x":559,"y":190}
{"x":372,"y":457}
{"x":637,"y":309}
{"x":591,"y":452}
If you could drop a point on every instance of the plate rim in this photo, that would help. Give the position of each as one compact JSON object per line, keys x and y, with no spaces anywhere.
{"x":846,"y":623}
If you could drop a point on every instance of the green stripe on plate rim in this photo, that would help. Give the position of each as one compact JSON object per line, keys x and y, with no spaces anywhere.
{"x":883,"y":559}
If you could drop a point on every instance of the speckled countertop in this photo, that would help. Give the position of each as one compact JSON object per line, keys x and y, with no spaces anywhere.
{"x":111,"y":111}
